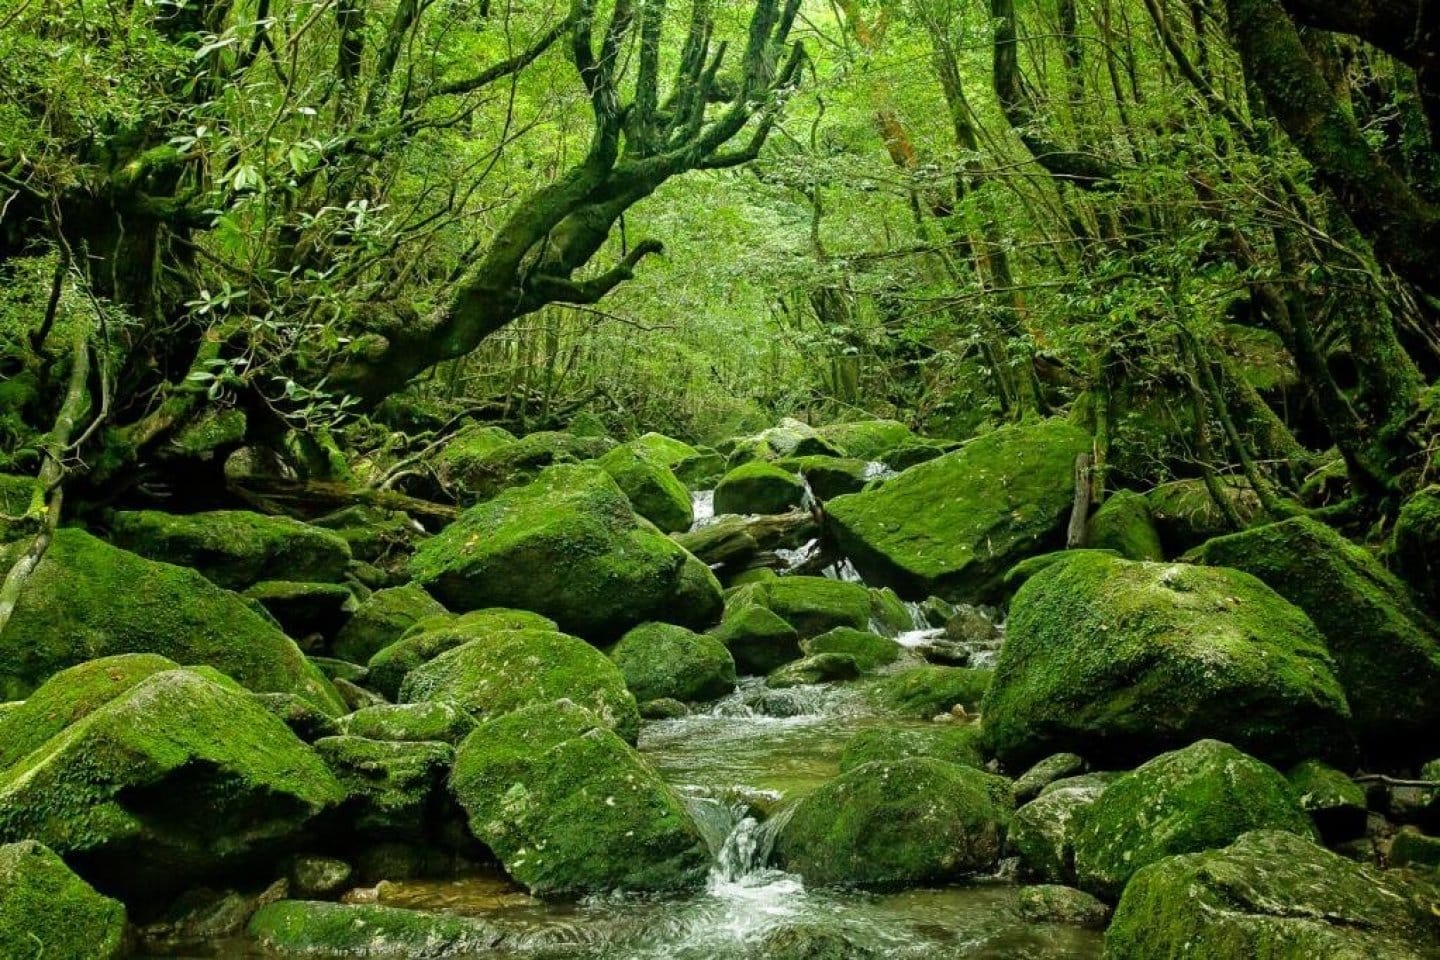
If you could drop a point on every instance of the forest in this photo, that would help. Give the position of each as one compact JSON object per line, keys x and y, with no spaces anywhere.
{"x":719,"y":479}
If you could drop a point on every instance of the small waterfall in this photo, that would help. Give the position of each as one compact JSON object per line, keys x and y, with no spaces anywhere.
{"x":702,"y":502}
{"x":875,"y":470}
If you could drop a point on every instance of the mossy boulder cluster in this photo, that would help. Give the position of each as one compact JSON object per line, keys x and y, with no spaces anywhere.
{"x":570,"y":547}
{"x":483,"y":460}
{"x":953,"y":526}
{"x":1119,"y":660}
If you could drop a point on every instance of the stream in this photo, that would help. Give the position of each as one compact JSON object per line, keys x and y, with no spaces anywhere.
{"x":741,"y":763}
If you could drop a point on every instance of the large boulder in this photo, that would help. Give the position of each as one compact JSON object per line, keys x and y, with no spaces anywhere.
{"x":758,"y":639}
{"x":868,"y":439}
{"x":790,"y":438}
{"x":1415,"y":547}
{"x":1271,"y":894}
{"x":952,"y":527}
{"x":179,"y":777}
{"x":953,"y":743}
{"x":870,"y":650}
{"x":696,"y":467}
{"x":395,"y":788}
{"x":570,"y":809}
{"x":758,"y":487}
{"x":431,"y":636}
{"x":830,"y":477}
{"x":234,"y":548}
{"x":570,"y":547}
{"x":1042,"y":832}
{"x":1199,"y":798}
{"x":88,"y":599}
{"x":1118,"y":661}
{"x":1386,"y":653}
{"x":925,"y":692}
{"x":665,"y":661}
{"x":429,"y":720}
{"x":653,"y":490}
{"x":894,"y":824}
{"x":518,"y":668}
{"x":46,"y":911}
{"x":812,"y":605}
{"x":382,"y":619}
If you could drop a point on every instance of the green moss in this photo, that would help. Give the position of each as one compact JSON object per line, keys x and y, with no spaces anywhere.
{"x":870,"y":651}
{"x":758,"y":640}
{"x":22,"y":503}
{"x":234,"y":548}
{"x":1385,"y":650}
{"x":382,"y":619}
{"x":176,"y":777}
{"x":1123,"y":524}
{"x":299,"y":928}
{"x":518,"y":668}
{"x":1335,"y":803}
{"x":758,"y":487}
{"x":953,"y":743}
{"x":1271,"y":894}
{"x":815,"y":605}
{"x":953,"y":526}
{"x":893,"y":824}
{"x":482,"y":461}
{"x":664,"y":661}
{"x":570,"y":809}
{"x":888,"y":613}
{"x":812,"y":669}
{"x":69,"y":696}
{"x":867,"y":439}
{"x":653,"y":490}
{"x":1200,"y":798}
{"x":87,"y":599}
{"x":431,"y":636}
{"x":829,"y":477}
{"x":926,"y":691}
{"x":1042,"y":832}
{"x":394,"y":788}
{"x":304,"y":609}
{"x":699,"y":600}
{"x":46,"y":911}
{"x":211,"y":431}
{"x":1186,"y":516}
{"x":429,"y":720}
{"x":1117,"y":661}
{"x":1416,"y":544}
{"x":567,"y":546}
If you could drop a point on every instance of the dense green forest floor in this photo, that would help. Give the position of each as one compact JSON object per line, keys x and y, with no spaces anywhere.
{"x":800,"y":479}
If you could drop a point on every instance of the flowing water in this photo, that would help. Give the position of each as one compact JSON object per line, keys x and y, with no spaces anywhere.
{"x":740,"y":764}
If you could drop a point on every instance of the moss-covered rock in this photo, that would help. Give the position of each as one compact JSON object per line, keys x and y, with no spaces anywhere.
{"x":1271,"y":894}
{"x":953,"y":526}
{"x":893,"y":824}
{"x":570,"y":809}
{"x":812,"y":669}
{"x":758,"y":640}
{"x":481,"y":461}
{"x":830,"y":477}
{"x":22,"y":505}
{"x":1123,"y":524}
{"x":1200,"y":798}
{"x":1411,"y":848}
{"x":1050,"y":903}
{"x":1335,"y":802}
{"x":1042,"y":832}
{"x":176,"y":778}
{"x":654,"y":492}
{"x":869,"y":650}
{"x":394,"y":788}
{"x":1415,"y":547}
{"x":1386,"y":653}
{"x":382,"y":619}
{"x":69,"y":696}
{"x":926,"y":691}
{"x":429,"y":720}
{"x":811,"y":942}
{"x":696,"y":467}
{"x":567,"y":546}
{"x":518,"y":668}
{"x":888,"y":613}
{"x":953,"y":743}
{"x":234,"y":548}
{"x":867,"y":439}
{"x":1117,"y":661}
{"x":813,"y":605}
{"x":665,"y":661}
{"x":431,"y":636}
{"x":790,"y":438}
{"x":1186,"y":515}
{"x":46,"y":911}
{"x":88,"y":599}
{"x":759,"y":487}
{"x":304,"y":928}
